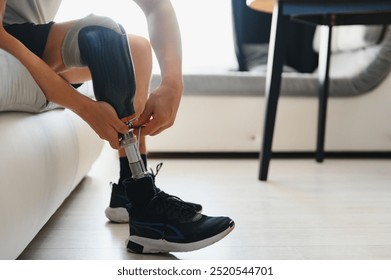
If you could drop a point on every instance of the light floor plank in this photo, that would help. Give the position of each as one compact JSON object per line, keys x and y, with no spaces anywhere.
{"x":340,"y":209}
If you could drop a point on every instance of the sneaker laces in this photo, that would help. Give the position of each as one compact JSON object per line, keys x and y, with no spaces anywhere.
{"x":173,"y":207}
{"x":156,"y":172}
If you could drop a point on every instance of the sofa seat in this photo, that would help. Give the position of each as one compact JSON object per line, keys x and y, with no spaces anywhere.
{"x":44,"y":156}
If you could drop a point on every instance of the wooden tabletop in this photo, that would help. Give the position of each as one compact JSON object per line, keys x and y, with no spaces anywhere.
{"x":261,"y":5}
{"x":268,"y":5}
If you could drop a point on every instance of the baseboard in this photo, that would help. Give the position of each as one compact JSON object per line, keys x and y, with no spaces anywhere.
{"x":282,"y":155}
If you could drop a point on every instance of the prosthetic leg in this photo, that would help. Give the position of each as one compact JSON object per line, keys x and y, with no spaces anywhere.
{"x":158,"y":222}
{"x":102,"y":45}
{"x":107,"y":54}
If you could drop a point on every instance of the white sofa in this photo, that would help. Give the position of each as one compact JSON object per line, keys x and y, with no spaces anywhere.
{"x":43,"y":157}
{"x":224,"y":111}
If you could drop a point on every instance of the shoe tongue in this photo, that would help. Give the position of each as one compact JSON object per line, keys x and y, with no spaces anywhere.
{"x":196,"y":217}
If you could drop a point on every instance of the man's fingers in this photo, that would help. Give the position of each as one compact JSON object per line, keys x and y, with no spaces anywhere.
{"x":153,"y":128}
{"x":120,"y":127}
{"x":144,"y":117}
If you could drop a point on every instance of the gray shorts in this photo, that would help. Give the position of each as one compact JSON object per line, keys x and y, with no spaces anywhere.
{"x":18,"y":90}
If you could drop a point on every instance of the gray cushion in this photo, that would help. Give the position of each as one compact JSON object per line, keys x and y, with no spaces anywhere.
{"x":352,"y":73}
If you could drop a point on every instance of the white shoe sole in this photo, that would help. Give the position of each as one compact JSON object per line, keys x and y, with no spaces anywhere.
{"x":117,"y":215}
{"x":156,"y":246}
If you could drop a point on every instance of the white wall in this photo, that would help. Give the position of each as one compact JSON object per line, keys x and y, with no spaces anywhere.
{"x":206,"y":27}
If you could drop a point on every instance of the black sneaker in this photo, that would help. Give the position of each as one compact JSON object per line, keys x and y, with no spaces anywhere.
{"x":116,"y":211}
{"x":167,"y":224}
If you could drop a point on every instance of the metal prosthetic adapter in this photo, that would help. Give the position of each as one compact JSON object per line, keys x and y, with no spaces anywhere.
{"x":107,"y":54}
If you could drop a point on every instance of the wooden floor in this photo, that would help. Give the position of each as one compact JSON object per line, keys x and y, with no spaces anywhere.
{"x":340,"y":209}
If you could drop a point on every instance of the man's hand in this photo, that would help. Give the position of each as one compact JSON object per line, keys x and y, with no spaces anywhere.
{"x":2,"y":10}
{"x":103,"y":119}
{"x":162,"y":105}
{"x":160,"y":110}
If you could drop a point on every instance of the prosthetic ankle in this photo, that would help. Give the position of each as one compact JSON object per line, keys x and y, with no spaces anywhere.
{"x":106,"y":52}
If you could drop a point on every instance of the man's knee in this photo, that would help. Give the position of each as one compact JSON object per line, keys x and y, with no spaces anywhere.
{"x":140,"y":46}
{"x":142,"y":58}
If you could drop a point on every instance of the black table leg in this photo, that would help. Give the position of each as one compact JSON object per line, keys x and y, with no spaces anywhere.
{"x":324,"y":66}
{"x":276,"y":59}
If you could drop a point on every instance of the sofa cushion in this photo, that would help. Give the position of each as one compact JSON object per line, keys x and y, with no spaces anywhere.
{"x":43,"y":158}
{"x":351,"y":37}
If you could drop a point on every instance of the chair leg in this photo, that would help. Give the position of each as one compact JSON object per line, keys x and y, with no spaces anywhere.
{"x":324,"y":66}
{"x":276,"y":59}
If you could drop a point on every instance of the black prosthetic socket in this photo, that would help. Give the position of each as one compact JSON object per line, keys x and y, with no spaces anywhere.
{"x":108,"y":57}
{"x":139,"y":192}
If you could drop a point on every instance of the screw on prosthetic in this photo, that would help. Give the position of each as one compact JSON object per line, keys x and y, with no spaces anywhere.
{"x":108,"y":56}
